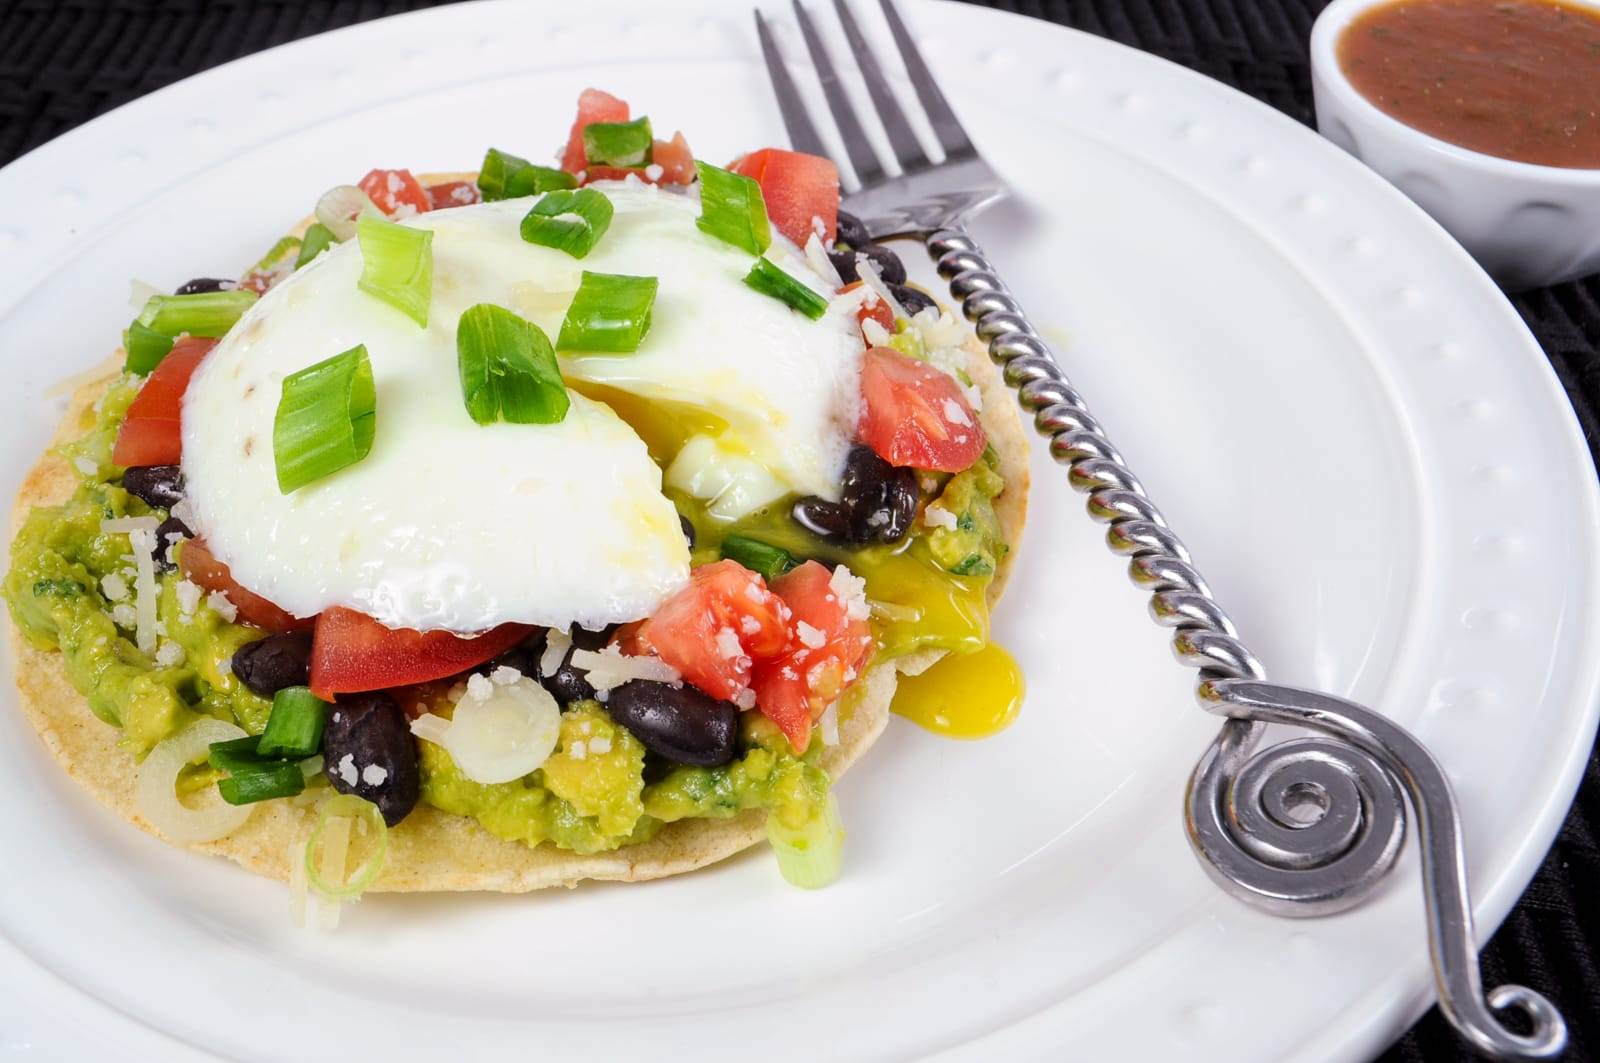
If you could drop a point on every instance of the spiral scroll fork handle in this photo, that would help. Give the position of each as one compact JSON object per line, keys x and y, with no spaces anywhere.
{"x":1444,"y":864}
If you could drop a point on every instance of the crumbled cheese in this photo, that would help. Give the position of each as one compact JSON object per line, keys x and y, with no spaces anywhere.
{"x":123,"y":615}
{"x":753,"y":592}
{"x":115,"y":587}
{"x":852,"y":591}
{"x":728,"y":644}
{"x":169,"y":654}
{"x":936,"y":516}
{"x":87,"y":466}
{"x":347,"y":769}
{"x":374,"y":775}
{"x":745,"y":699}
{"x":955,"y":413}
{"x":556,"y":645}
{"x":479,"y":688}
{"x":225,"y":666}
{"x":188,"y":595}
{"x":599,"y":745}
{"x":810,"y":636}
{"x":504,"y":675}
{"x":578,"y":750}
{"x":222,"y":606}
{"x":877,"y":518}
{"x":654,"y":171}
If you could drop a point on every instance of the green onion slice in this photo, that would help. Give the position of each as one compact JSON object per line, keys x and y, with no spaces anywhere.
{"x":202,"y":314}
{"x":811,"y":856}
{"x":508,"y":369}
{"x":146,"y":347}
{"x":317,"y":240}
{"x":239,"y":754}
{"x":732,"y":210}
{"x":610,"y":313}
{"x":281,"y":254}
{"x":757,"y":556}
{"x":506,"y":176}
{"x":570,"y":220}
{"x":294,"y":730}
{"x":397,"y":265}
{"x":618,"y":143}
{"x":248,"y":783}
{"x":768,"y":279}
{"x":327,"y":851}
{"x":326,"y":419}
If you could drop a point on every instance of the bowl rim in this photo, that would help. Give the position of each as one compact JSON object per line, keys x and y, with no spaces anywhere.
{"x":1326,"y":69}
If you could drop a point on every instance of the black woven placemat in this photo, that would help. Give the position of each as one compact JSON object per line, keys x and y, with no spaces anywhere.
{"x":64,"y":61}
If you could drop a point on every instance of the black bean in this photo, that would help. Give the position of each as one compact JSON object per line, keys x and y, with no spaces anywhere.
{"x":369,"y":731}
{"x":205,"y":284}
{"x":889,"y":266}
{"x":688,"y":529}
{"x":852,"y":232}
{"x":268,"y":665}
{"x":821,"y":517}
{"x":880,"y":499}
{"x":845,"y":263}
{"x":679,"y":723}
{"x":523,"y":657}
{"x":168,"y":532}
{"x":910,"y":298}
{"x":160,"y":486}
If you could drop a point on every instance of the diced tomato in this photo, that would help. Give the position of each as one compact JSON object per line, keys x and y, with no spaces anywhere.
{"x":200,"y":566}
{"x":878,"y":310}
{"x":715,"y":629}
{"x":916,"y":415}
{"x":352,"y":652}
{"x":390,"y":189}
{"x":673,"y":156}
{"x":150,"y":432}
{"x":593,"y":106}
{"x":453,"y":194}
{"x":796,"y":188}
{"x":827,"y":649}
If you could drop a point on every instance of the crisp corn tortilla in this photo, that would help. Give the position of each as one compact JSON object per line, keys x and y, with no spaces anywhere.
{"x":433,"y":850}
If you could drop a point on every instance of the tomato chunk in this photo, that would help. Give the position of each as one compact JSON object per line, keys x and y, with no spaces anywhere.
{"x":916,"y":415}
{"x":714,"y":629}
{"x":200,"y":566}
{"x":829,"y":644}
{"x":150,"y":432}
{"x":593,"y":106}
{"x":453,"y":194}
{"x":389,"y":190}
{"x":673,"y":156}
{"x":878,"y":310}
{"x":352,"y":652}
{"x":796,"y":188}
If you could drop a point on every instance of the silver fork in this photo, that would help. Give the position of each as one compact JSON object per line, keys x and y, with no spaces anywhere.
{"x":1304,"y":827}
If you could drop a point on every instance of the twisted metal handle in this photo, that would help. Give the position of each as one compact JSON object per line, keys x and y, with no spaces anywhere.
{"x":1303,"y":827}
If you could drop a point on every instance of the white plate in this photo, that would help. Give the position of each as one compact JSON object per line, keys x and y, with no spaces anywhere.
{"x":1362,"y":443}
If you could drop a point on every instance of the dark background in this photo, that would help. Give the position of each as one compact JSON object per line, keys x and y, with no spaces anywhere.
{"x":64,"y":61}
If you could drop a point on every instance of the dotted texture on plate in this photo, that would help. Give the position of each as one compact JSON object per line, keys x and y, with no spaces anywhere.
{"x":62,"y":62}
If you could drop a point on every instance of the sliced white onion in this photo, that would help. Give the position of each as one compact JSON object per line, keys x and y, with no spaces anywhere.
{"x":156,"y":792}
{"x":870,"y":278}
{"x":339,"y":208}
{"x":502,"y":731}
{"x":817,"y":256}
{"x":130,"y":524}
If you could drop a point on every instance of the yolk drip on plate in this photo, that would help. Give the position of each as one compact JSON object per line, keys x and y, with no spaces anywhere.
{"x":964,"y":695}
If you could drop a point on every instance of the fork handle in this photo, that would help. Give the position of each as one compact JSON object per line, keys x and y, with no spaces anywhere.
{"x":1245,"y":810}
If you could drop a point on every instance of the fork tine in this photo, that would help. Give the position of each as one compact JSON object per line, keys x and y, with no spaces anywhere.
{"x":802,"y":134}
{"x":862,"y":156}
{"x":906,"y":147}
{"x":951,"y":136}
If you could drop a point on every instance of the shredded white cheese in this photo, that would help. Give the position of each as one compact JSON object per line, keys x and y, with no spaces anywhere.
{"x":130,"y":525}
{"x":609,"y":668}
{"x":556,"y":645}
{"x":144,"y":586}
{"x":935,"y":516}
{"x":430,"y":728}
{"x":874,"y":333}
{"x":188,"y":595}
{"x":871,"y":279}
{"x":817,"y":257}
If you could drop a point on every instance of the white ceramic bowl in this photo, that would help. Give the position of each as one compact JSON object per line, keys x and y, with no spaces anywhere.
{"x":1527,"y":225}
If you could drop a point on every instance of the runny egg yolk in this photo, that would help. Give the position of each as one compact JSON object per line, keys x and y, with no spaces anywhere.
{"x":964,"y":695}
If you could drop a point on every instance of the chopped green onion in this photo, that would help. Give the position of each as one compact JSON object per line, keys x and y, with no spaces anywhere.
{"x":618,"y":143}
{"x":507,"y":176}
{"x":247,"y":784}
{"x":281,"y":254}
{"x":294,"y":729}
{"x":732,"y":210}
{"x":397,"y":265}
{"x":809,"y":857}
{"x":209,"y":314}
{"x":508,"y":369}
{"x":326,"y":419}
{"x":568,"y":220}
{"x":146,"y":347}
{"x":611,"y":312}
{"x":768,"y":279}
{"x":239,"y":754}
{"x":318,"y":239}
{"x":757,"y":556}
{"x":330,"y":839}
